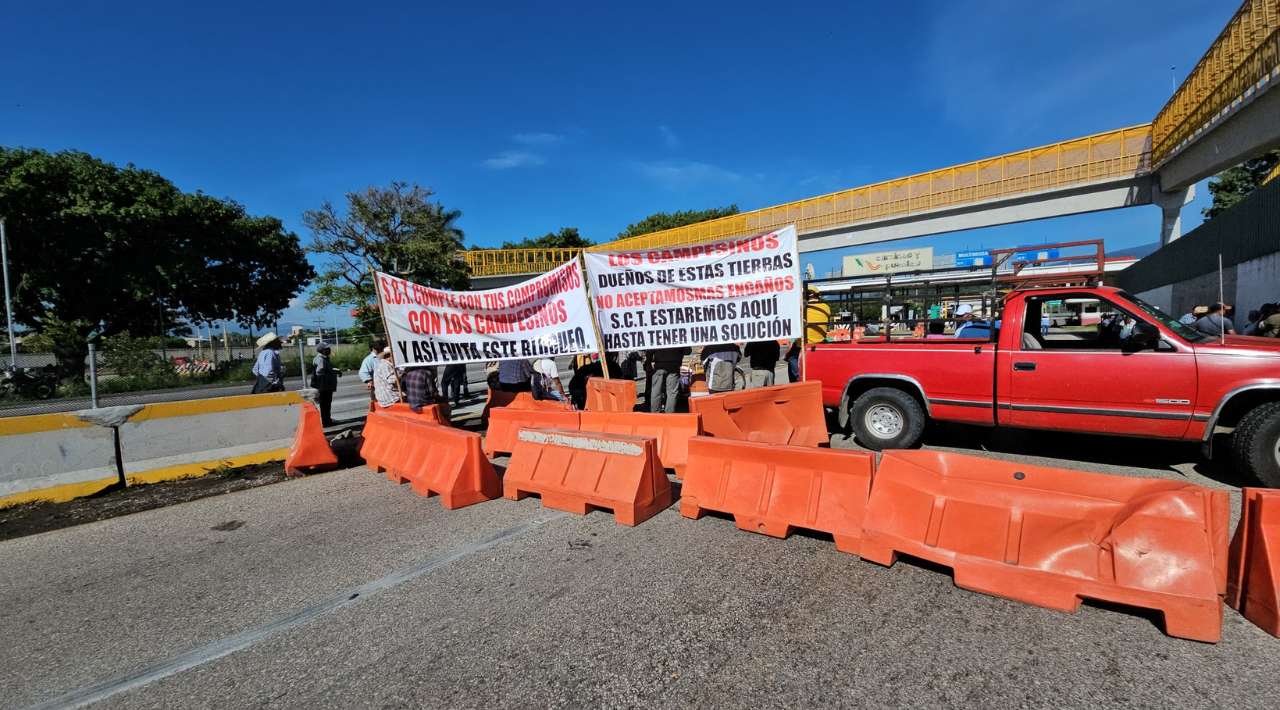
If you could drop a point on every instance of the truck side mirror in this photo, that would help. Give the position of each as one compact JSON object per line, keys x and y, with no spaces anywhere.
{"x":1143,"y":336}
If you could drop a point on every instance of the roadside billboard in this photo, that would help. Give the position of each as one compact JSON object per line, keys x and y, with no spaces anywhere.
{"x":888,"y":262}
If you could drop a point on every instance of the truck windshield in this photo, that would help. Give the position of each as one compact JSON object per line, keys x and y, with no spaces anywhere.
{"x":1186,"y":332}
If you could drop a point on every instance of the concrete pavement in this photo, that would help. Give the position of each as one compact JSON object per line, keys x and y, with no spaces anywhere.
{"x":343,"y":589}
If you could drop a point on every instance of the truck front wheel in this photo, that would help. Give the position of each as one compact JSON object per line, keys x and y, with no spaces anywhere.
{"x":886,"y":418}
{"x":1255,"y":445}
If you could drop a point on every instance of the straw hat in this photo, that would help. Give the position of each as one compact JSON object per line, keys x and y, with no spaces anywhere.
{"x":546,"y":367}
{"x":267,"y":339}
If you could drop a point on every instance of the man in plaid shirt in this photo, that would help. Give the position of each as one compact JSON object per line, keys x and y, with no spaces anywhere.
{"x":420,"y":387}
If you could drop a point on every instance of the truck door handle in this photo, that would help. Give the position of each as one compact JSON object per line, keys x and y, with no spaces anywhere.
{"x":1026,"y":366}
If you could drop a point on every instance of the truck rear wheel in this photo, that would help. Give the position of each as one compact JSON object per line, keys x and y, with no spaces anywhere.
{"x":1255,"y":445}
{"x":886,"y":418}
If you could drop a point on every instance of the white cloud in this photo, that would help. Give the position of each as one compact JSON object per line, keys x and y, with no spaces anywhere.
{"x":537,"y":138}
{"x":669,"y":137}
{"x":508,"y":159}
{"x":686,"y":173}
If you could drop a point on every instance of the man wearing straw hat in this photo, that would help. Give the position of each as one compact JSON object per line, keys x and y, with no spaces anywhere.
{"x":268,"y":368}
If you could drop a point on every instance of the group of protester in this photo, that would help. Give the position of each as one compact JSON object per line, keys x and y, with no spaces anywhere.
{"x":1218,"y":319}
{"x":665,"y":372}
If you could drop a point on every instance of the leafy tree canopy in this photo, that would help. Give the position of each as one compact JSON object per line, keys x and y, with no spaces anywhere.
{"x":1234,"y":184}
{"x":97,"y":247}
{"x":669,"y":220}
{"x":566,"y":238}
{"x":397,"y":229}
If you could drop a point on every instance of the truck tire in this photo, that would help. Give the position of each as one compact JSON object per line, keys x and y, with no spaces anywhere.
{"x":1255,"y":445}
{"x":886,"y":418}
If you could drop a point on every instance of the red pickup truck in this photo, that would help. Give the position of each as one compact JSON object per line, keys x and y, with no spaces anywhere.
{"x":1117,"y":366}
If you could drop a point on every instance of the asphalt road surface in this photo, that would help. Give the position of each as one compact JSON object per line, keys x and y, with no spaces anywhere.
{"x":342,"y":590}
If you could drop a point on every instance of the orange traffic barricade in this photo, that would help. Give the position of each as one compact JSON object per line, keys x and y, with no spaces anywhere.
{"x":310,"y":449}
{"x":506,"y":422}
{"x":1253,"y":574}
{"x":616,"y":395}
{"x":1052,"y":537}
{"x":434,"y":413}
{"x":784,"y":414}
{"x":672,"y":431}
{"x":772,"y":489}
{"x":433,"y":459}
{"x":496,"y":398}
{"x":580,"y":471}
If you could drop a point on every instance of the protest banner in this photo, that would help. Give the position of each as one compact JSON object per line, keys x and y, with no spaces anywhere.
{"x":728,"y":291}
{"x":545,"y":316}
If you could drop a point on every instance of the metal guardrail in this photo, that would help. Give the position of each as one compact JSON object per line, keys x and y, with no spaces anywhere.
{"x":1118,"y":153}
{"x":1242,"y":62}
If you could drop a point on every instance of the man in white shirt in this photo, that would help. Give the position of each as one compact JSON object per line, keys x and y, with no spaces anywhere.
{"x":385,"y":389}
{"x":267,"y":368}
{"x":366,"y":366}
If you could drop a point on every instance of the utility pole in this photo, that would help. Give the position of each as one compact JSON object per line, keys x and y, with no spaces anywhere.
{"x":8,"y":305}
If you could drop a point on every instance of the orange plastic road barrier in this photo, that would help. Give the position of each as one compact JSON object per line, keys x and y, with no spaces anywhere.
{"x":434,"y":459}
{"x":506,"y":422}
{"x":310,"y":449}
{"x":672,"y":431}
{"x":785,"y":414}
{"x":524,"y":400}
{"x":433,"y":413}
{"x":772,"y":489}
{"x":1051,"y":537}
{"x":578,"y":471}
{"x":1253,"y":573}
{"x":610,"y":395}
{"x":496,"y":398}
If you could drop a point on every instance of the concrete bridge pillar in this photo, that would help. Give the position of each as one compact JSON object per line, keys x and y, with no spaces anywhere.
{"x":1171,"y":204}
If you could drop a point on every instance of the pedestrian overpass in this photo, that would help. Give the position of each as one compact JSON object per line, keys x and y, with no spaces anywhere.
{"x":1223,"y":113}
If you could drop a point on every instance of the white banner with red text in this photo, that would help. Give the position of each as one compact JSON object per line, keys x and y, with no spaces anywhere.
{"x":545,"y":316}
{"x":735,"y":290}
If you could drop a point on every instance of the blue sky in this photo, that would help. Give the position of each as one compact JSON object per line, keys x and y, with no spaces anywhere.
{"x":531,"y":117}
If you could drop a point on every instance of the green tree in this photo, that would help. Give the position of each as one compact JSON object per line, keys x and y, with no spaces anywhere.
{"x":1234,"y":184}
{"x":99,"y":248}
{"x":566,"y":238}
{"x":397,"y":229}
{"x":669,"y":220}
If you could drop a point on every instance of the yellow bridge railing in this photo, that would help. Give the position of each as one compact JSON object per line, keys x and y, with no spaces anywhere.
{"x":500,"y":262}
{"x":1242,"y":61}
{"x":1118,"y":153}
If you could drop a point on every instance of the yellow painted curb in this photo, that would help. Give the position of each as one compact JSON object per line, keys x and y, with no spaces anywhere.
{"x":31,"y":424}
{"x":213,"y":405}
{"x":71,"y":491}
{"x":57,"y":494}
{"x":201,"y":468}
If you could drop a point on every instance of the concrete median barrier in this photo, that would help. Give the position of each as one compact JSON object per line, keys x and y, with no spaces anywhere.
{"x":1052,"y":537}
{"x":784,"y":414}
{"x":171,"y":440}
{"x":580,"y":471}
{"x":54,"y":457}
{"x":772,"y":489}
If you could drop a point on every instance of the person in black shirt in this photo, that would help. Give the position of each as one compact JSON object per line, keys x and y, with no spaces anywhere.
{"x":578,"y":383}
{"x":762,"y":355}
